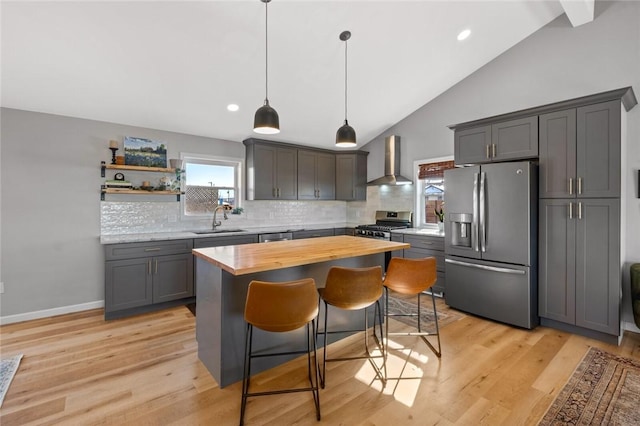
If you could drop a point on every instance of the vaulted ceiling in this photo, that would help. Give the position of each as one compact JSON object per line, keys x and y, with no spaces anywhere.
{"x":177,"y":65}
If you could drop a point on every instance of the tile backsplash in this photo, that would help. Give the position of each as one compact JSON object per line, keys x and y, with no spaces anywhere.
{"x":132,"y":217}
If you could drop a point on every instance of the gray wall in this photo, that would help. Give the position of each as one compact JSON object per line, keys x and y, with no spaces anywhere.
{"x":51,"y":255}
{"x":557,"y":62}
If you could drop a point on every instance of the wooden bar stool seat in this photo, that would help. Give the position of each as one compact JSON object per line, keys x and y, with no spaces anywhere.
{"x":280,"y":307}
{"x":412,"y":277}
{"x":353,"y":289}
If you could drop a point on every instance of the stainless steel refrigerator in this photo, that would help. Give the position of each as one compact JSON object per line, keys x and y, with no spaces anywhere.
{"x":491,"y":241}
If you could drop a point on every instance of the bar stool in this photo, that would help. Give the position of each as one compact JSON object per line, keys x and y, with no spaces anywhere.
{"x":353,"y":289}
{"x":412,"y":277}
{"x":281,"y":307}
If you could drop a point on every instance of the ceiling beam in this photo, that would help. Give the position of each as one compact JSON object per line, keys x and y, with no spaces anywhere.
{"x":578,"y":11}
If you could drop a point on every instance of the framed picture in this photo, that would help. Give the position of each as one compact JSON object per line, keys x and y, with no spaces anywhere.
{"x":144,"y":152}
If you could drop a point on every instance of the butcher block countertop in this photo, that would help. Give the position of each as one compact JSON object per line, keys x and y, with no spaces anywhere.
{"x":250,"y":258}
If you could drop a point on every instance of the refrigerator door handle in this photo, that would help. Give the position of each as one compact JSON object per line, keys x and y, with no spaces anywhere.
{"x":483,"y":214}
{"x":486,"y":268}
{"x":474,"y":220}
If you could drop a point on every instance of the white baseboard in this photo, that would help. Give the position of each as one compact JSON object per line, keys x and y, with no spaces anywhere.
{"x":630,"y":326}
{"x":9,"y":319}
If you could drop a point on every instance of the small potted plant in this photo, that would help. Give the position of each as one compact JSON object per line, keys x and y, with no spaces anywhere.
{"x":440,"y":217}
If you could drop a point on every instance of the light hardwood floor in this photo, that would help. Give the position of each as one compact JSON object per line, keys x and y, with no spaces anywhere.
{"x":80,"y":370}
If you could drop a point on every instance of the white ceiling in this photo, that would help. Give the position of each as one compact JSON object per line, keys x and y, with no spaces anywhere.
{"x":176,"y":65}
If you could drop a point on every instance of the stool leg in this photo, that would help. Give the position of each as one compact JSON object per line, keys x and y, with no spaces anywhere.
{"x":324,"y":351}
{"x":314,"y":384}
{"x":246,"y":375}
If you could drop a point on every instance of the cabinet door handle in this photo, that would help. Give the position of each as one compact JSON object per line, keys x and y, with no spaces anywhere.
{"x":579,"y":186}
{"x":493,"y":150}
{"x":149,"y":266}
{"x":570,"y":186}
{"x":156,"y":271}
{"x":488,"y":153}
{"x":570,"y":210}
{"x":580,"y":210}
{"x":153,"y":249}
{"x":278,"y":192}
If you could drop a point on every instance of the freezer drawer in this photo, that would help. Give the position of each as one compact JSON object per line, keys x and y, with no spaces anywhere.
{"x":498,"y":291}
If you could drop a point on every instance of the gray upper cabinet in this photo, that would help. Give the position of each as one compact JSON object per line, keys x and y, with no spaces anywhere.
{"x":503,"y":141}
{"x":579,"y":276}
{"x":580,"y":152}
{"x":316,"y":175}
{"x":351,"y":176}
{"x":472,"y":146}
{"x":514,"y":139}
{"x":557,"y":169}
{"x":598,"y":150}
{"x":271,"y":171}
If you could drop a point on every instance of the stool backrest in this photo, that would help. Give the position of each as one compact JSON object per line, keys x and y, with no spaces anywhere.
{"x":353,"y":288}
{"x":281,"y":306}
{"x":411,"y":276}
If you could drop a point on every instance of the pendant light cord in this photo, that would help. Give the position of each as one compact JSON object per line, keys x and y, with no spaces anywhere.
{"x":345,"y":81}
{"x":266,"y":54}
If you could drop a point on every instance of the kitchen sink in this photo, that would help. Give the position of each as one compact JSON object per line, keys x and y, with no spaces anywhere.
{"x":217,"y":231}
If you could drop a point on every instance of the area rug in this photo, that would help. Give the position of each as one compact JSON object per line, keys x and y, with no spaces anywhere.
{"x":603,"y":390}
{"x":8,"y":368}
{"x":403,"y":304}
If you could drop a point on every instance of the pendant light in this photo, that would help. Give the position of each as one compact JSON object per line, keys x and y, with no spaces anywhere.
{"x":345,"y":136}
{"x":266,"y":120}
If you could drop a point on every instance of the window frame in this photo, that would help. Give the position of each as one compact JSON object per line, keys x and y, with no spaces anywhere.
{"x":213,"y":160}
{"x":419,"y":219}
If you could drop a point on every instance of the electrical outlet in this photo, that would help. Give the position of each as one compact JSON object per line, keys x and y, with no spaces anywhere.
{"x":1,"y":287}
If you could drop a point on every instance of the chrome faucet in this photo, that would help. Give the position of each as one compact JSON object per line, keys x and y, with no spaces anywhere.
{"x":224,"y":213}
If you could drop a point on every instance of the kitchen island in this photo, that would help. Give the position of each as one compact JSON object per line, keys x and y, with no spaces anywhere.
{"x":224,"y":273}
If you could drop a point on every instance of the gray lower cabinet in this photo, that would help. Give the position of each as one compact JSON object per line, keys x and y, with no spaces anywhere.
{"x":351,"y":176}
{"x":142,"y":276}
{"x":579,"y":264}
{"x":345,"y":231}
{"x":313,"y":233}
{"x":316,"y":175}
{"x":225,"y":241}
{"x":424,"y":246}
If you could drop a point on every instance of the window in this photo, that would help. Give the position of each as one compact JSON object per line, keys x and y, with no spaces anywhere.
{"x":210,"y":182}
{"x":430,"y":189}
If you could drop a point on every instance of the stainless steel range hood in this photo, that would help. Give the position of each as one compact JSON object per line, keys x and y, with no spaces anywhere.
{"x":391,"y":164}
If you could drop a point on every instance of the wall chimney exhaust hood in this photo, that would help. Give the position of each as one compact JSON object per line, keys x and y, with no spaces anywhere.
{"x":391,"y":164}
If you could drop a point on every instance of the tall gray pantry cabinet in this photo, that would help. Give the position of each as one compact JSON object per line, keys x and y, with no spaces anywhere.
{"x":579,"y":216}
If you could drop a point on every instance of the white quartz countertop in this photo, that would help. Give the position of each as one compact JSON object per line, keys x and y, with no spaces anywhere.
{"x":180,"y":235}
{"x":431,"y":232}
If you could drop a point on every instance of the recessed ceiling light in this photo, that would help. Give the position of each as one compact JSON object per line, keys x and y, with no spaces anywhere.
{"x":233,"y":107}
{"x":464,"y":34}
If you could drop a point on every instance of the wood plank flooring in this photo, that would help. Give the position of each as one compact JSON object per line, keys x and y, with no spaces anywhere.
{"x":80,"y":370}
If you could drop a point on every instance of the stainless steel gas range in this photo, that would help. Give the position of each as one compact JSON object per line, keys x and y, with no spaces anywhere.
{"x":386,"y":221}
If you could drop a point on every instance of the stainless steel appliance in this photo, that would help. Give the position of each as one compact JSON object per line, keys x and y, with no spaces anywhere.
{"x":491,"y":241}
{"x":275,"y":236}
{"x":386,"y":221}
{"x":392,"y":174}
